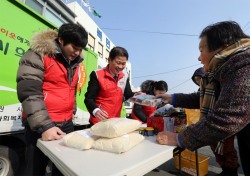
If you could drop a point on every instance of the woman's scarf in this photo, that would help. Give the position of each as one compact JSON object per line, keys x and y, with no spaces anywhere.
{"x":209,"y":87}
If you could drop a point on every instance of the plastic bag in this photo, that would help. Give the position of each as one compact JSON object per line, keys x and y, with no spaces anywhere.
{"x":146,"y":100}
{"x":166,"y":110}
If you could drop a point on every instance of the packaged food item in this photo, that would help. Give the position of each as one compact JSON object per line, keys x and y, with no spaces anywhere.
{"x":150,"y":131}
{"x":146,"y":100}
{"x":156,"y":122}
{"x":169,"y":124}
{"x":166,"y":110}
{"x":175,"y":122}
{"x":142,"y":131}
{"x":180,"y":121}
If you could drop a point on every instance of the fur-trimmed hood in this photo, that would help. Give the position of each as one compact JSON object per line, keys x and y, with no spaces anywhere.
{"x":44,"y":43}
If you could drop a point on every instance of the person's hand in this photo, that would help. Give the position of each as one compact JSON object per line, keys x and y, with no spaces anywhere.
{"x":167,"y":99}
{"x":53,"y":133}
{"x":101,"y":115}
{"x":167,"y":138}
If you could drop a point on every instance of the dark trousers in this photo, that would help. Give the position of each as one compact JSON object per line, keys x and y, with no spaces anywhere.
{"x":229,"y":159}
{"x":244,"y":149}
{"x":36,"y":161}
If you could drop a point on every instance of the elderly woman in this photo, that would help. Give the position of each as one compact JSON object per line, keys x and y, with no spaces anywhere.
{"x":225,"y":92}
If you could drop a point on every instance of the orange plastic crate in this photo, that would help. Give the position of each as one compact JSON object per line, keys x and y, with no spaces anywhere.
{"x":188,"y":163}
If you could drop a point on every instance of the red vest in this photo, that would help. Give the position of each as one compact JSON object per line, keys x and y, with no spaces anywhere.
{"x":110,"y":96}
{"x":59,"y":94}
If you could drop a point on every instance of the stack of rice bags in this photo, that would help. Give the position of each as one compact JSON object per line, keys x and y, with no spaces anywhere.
{"x":115,"y":135}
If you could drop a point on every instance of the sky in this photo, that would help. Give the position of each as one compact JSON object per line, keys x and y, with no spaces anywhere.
{"x":162,"y":36}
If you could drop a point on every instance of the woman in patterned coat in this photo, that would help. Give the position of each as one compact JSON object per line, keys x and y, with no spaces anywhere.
{"x":225,"y":92}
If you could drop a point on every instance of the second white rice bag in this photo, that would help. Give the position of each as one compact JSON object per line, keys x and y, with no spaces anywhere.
{"x":119,"y":144}
{"x":81,"y":139}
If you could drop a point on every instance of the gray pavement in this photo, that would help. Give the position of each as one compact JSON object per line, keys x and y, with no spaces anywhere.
{"x":168,"y":168}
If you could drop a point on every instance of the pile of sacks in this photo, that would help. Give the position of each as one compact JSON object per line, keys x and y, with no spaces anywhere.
{"x":115,"y":135}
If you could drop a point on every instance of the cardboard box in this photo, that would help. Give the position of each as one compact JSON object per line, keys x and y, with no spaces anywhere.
{"x":193,"y":116}
{"x":188,"y":163}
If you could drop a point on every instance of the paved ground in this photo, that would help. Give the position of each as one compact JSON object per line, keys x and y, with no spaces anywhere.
{"x":168,"y":168}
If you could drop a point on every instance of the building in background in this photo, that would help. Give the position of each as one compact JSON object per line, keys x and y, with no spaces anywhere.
{"x":98,"y":41}
{"x":72,"y":11}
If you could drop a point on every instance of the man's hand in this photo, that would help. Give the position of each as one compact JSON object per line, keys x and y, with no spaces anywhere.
{"x":101,"y":115}
{"x":167,"y":138}
{"x":51,"y":134}
{"x":167,"y":98}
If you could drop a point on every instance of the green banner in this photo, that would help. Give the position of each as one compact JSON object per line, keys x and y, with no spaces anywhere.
{"x":16,"y":30}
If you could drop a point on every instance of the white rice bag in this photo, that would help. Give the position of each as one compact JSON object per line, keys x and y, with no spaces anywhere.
{"x":114,"y":127}
{"x":119,"y":144}
{"x":81,"y":139}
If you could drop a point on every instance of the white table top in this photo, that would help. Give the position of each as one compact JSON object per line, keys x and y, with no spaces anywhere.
{"x":138,"y":161}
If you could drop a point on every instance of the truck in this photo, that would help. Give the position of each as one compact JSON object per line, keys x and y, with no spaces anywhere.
{"x":18,"y":22}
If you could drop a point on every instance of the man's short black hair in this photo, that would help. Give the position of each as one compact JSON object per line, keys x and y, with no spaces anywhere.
{"x":118,"y":51}
{"x":73,"y":33}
